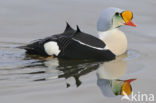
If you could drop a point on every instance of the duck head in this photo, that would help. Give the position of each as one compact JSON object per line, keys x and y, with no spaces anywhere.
{"x":112,"y":88}
{"x":122,"y":87}
{"x":114,"y":17}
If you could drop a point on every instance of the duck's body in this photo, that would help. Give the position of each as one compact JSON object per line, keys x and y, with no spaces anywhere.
{"x":71,"y":45}
{"x":74,"y":44}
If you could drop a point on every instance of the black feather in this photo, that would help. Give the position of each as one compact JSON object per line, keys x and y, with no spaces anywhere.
{"x":68,"y":28}
{"x":78,"y":29}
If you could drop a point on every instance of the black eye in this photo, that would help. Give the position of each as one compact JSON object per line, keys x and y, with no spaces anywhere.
{"x":117,"y":14}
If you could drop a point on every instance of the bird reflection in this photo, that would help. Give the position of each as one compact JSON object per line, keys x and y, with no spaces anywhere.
{"x":74,"y":68}
{"x":108,"y":75}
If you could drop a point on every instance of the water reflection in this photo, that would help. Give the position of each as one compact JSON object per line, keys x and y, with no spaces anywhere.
{"x":108,"y":75}
{"x":111,"y":88}
{"x":73,"y":68}
{"x":113,"y":69}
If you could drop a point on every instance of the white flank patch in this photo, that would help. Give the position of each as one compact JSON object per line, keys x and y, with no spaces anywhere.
{"x":51,"y":48}
{"x":98,"y":48}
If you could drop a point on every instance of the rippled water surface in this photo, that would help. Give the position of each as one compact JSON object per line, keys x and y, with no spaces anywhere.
{"x":25,"y":79}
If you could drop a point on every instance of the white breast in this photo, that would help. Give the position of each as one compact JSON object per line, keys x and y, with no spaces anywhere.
{"x":115,"y":40}
{"x":51,"y":48}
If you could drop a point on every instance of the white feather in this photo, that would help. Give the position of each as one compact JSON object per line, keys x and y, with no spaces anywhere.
{"x":51,"y":48}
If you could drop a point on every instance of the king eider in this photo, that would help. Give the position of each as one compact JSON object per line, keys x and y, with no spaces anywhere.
{"x":74,"y":44}
{"x":71,"y":44}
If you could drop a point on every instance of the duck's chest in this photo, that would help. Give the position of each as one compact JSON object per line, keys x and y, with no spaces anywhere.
{"x":115,"y":40}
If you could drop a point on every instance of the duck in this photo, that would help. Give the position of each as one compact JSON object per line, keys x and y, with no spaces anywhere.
{"x":71,"y":44}
{"x":75,"y":44}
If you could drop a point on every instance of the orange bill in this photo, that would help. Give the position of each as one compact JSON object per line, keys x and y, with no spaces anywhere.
{"x":127,"y":17}
{"x":126,"y":87}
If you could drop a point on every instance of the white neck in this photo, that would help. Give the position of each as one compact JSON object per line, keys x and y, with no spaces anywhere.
{"x":115,"y":40}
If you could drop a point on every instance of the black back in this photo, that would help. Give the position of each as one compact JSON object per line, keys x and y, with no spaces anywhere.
{"x":76,"y":50}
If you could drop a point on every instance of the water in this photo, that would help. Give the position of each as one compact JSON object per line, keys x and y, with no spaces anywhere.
{"x":18,"y":67}
{"x":29,"y":80}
